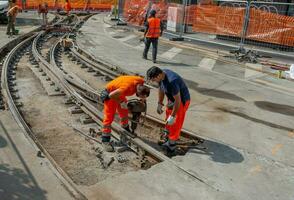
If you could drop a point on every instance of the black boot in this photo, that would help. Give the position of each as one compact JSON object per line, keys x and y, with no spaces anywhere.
{"x":127,"y":128}
{"x":106,"y":143}
{"x":169,"y":148}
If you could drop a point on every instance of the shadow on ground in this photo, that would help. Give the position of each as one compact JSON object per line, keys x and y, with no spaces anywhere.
{"x":255,"y":120}
{"x":274,"y":107}
{"x":3,"y":142}
{"x":219,"y":152}
{"x":15,"y":184}
{"x":213,"y":92}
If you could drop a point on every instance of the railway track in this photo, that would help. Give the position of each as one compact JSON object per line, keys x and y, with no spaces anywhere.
{"x":47,"y":57}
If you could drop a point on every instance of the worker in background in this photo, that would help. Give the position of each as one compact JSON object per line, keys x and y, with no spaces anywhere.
{"x":114,"y":98}
{"x":11,"y":15}
{"x":67,"y":7}
{"x":43,"y":9}
{"x":153,"y":31}
{"x":178,"y":100}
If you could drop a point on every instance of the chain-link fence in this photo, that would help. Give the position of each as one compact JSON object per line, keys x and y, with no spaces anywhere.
{"x":267,"y":24}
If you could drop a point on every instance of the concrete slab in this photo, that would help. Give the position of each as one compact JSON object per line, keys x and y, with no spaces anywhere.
{"x":171,"y":53}
{"x":23,"y":175}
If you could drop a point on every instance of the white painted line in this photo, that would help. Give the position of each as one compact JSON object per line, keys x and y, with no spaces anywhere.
{"x":207,"y":63}
{"x":141,"y":46}
{"x":127,"y":38}
{"x":107,"y":25}
{"x":171,"y":53}
{"x":250,"y":73}
{"x":253,"y":71}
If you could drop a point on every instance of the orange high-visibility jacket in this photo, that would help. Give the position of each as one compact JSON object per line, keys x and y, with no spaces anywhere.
{"x":153,"y":28}
{"x":67,"y":6}
{"x":126,"y":84}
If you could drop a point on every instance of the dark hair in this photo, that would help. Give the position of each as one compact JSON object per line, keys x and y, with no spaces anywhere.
{"x":152,"y":13}
{"x":143,"y":90}
{"x":153,"y":72}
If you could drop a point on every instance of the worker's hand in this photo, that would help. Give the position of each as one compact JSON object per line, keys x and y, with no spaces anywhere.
{"x":170,"y":120}
{"x":124,"y":105}
{"x":159,"y":108}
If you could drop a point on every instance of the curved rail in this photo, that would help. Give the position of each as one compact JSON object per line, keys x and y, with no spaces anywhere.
{"x":7,"y":67}
{"x":115,"y":72}
{"x":136,"y":144}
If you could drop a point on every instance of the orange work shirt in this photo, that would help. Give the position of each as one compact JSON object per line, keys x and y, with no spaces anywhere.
{"x":126,"y":84}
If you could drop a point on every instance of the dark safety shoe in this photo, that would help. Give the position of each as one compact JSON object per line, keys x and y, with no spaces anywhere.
{"x":144,"y":57}
{"x":107,"y":146}
{"x":154,"y":61}
{"x":169,"y":149}
{"x":127,"y":128}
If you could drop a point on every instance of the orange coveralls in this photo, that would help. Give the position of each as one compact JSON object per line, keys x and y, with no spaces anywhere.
{"x":128,"y":87}
{"x":175,"y":129}
{"x":67,"y":7}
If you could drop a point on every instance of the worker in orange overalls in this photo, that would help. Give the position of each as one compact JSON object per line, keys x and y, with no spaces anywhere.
{"x":11,"y":15}
{"x":153,"y":31}
{"x":67,"y":7}
{"x":43,"y":9}
{"x":178,"y":101}
{"x":114,"y":98}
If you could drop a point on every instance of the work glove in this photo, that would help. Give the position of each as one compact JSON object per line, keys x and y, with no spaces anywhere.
{"x":124,"y":105}
{"x":159,"y":108}
{"x":170,"y":120}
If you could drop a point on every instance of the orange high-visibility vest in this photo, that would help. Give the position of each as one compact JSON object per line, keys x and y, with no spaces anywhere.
{"x":154,"y":28}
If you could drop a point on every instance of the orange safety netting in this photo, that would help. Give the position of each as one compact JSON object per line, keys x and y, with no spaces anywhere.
{"x":263,"y":26}
{"x":75,"y":4}
{"x":220,"y":20}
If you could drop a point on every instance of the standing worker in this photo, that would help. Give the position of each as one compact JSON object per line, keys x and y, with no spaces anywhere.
{"x":114,"y":98}
{"x":153,"y":31}
{"x":178,"y":101}
{"x":43,"y":9}
{"x":67,"y":7}
{"x":11,"y":14}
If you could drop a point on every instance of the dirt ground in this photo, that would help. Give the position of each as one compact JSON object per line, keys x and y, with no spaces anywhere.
{"x":51,"y":122}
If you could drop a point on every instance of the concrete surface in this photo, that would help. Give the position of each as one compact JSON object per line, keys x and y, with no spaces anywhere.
{"x":246,"y":117}
{"x":23,"y":175}
{"x":25,"y":22}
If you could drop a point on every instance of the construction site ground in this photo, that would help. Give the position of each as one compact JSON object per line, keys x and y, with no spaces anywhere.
{"x":243,"y":111}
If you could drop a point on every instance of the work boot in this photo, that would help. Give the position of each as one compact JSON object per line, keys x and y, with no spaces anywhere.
{"x":127,"y":128}
{"x":144,"y":57}
{"x":107,"y":144}
{"x":169,"y":148}
{"x":154,"y":61}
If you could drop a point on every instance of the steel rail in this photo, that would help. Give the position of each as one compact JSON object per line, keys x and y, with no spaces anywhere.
{"x":88,"y":59}
{"x":136,"y":144}
{"x":62,"y":176}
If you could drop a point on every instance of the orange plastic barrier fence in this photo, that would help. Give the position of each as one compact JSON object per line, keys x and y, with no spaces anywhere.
{"x":221,"y":20}
{"x":271,"y":27}
{"x":75,"y":4}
